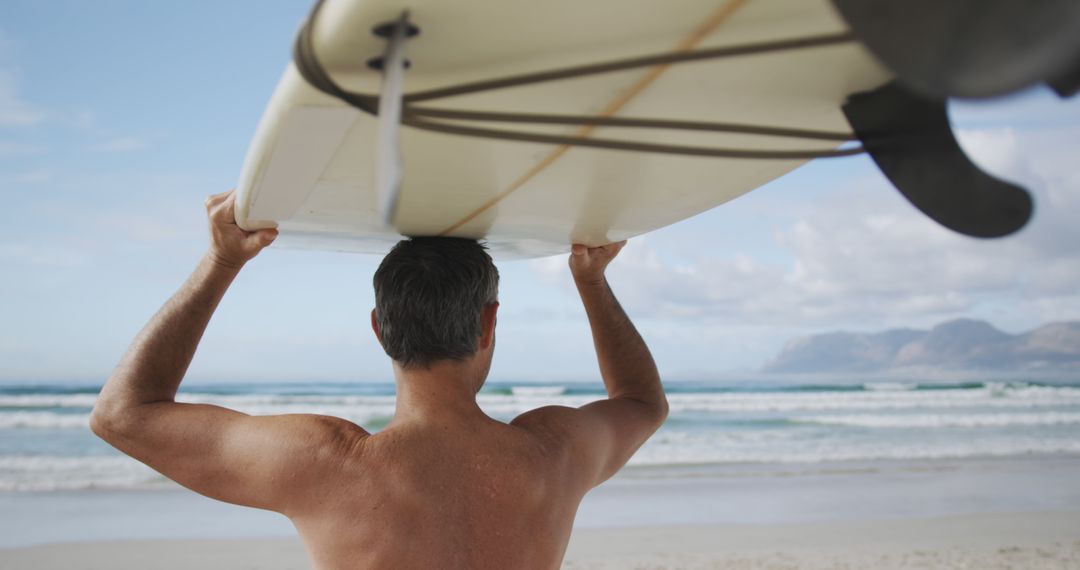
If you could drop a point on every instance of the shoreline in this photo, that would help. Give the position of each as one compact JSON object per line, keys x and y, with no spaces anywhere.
{"x":734,"y":494}
{"x":987,"y":513}
{"x":990,"y":541}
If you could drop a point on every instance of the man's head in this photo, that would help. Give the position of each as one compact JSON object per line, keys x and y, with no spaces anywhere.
{"x":435,"y":300}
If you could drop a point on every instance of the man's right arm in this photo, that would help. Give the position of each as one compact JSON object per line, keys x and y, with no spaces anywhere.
{"x":603,"y":435}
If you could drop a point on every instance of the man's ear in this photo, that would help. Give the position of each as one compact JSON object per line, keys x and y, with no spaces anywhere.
{"x":375,"y":326}
{"x":487,"y":325}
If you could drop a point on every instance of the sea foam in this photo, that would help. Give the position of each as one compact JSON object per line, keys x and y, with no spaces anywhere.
{"x":45,"y":442}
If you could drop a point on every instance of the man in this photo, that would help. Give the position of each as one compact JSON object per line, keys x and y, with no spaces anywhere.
{"x":443,"y":485}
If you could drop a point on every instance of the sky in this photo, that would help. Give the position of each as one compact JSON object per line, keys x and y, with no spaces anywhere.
{"x":117,"y":119}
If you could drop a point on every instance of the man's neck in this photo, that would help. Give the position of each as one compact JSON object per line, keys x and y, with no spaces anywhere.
{"x":444,"y":392}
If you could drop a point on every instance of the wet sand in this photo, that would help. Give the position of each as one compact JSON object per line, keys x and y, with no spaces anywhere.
{"x":1021,"y":513}
{"x":986,"y":541}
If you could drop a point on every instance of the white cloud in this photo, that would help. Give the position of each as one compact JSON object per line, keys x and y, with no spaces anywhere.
{"x":1000,"y":151}
{"x":10,"y":149}
{"x":27,"y":178}
{"x":120,"y":144}
{"x":147,"y":227}
{"x":41,"y":254}
{"x":864,"y":258}
{"x":85,"y":120}
{"x":15,"y":111}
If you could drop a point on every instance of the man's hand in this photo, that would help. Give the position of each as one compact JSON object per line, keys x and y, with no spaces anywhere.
{"x":231,"y":246}
{"x":587,"y":264}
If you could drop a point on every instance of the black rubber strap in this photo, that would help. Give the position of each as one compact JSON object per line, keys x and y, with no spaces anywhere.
{"x":315,"y":74}
{"x":624,"y":64}
{"x":626,"y":145}
{"x":633,"y":122}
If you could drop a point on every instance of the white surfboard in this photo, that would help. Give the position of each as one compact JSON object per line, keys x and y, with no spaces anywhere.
{"x":311,"y":168}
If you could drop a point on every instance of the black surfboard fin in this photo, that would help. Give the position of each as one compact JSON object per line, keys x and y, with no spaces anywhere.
{"x":969,"y":48}
{"x":910,"y":139}
{"x":1067,"y":84}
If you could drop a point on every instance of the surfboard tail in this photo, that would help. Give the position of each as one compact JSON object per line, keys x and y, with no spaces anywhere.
{"x":971,"y":48}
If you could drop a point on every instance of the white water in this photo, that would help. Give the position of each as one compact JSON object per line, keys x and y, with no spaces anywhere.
{"x":45,"y":442}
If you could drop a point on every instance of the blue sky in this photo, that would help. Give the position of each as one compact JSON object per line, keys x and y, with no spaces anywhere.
{"x":118,"y":118}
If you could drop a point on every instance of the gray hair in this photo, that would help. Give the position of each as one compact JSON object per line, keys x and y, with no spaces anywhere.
{"x":429,"y":295}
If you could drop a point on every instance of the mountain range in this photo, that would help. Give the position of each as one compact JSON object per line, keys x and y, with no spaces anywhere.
{"x":958,"y":345}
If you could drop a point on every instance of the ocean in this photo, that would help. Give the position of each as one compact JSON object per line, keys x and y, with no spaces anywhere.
{"x":46,"y":445}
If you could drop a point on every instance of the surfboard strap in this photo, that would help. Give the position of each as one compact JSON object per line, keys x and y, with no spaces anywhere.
{"x":633,"y":63}
{"x":315,"y":74}
{"x":614,"y":144}
{"x":312,"y":70}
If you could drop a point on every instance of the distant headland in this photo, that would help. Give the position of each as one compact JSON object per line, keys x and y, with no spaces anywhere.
{"x":962,"y":345}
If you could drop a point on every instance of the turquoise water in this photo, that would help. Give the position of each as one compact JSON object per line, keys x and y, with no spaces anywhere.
{"x":45,"y":442}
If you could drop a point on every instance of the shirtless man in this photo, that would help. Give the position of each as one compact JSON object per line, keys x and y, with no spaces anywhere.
{"x":443,"y":485}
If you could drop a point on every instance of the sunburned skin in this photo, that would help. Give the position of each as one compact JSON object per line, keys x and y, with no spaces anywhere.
{"x":442,"y":486}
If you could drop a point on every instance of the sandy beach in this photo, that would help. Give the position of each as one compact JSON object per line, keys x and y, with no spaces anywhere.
{"x":968,"y":476}
{"x":988,"y":541}
{"x":975,"y":514}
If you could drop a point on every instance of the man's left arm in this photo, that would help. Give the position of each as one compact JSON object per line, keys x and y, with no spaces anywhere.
{"x":221,"y":453}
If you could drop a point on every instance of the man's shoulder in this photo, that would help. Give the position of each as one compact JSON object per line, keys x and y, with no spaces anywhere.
{"x":546,"y":416}
{"x":552,"y":425}
{"x":574,"y":447}
{"x":317,"y":432}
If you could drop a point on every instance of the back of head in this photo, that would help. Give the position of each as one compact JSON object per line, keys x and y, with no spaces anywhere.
{"x":429,"y":294}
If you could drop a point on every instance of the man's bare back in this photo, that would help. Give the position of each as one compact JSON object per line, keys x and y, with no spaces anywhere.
{"x":443,"y":485}
{"x":480,"y":494}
